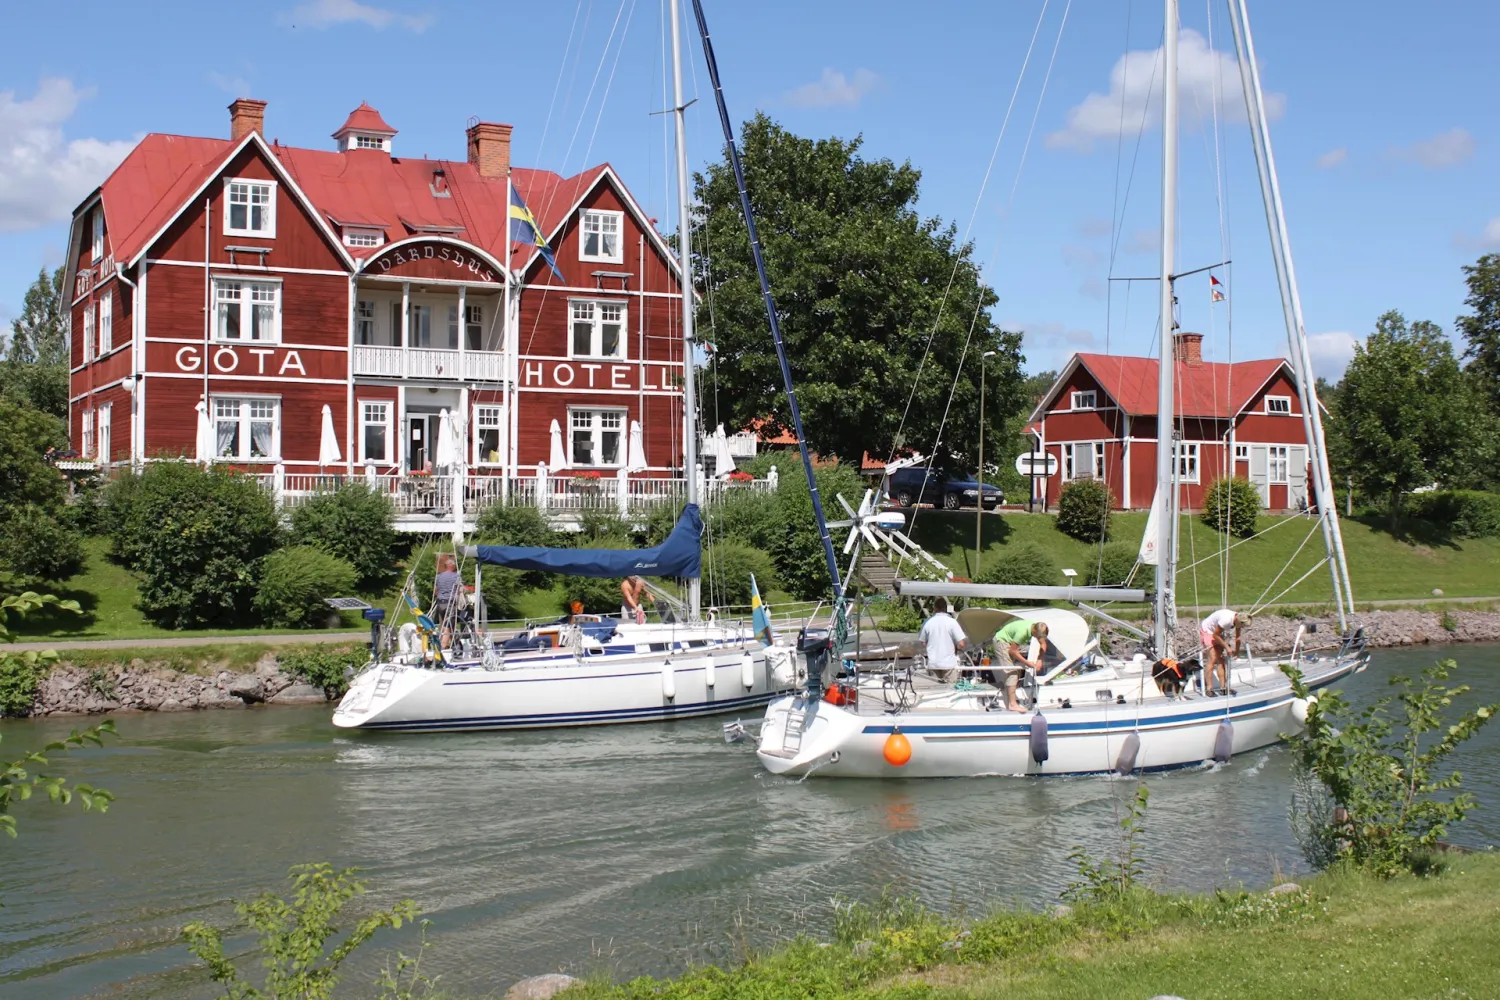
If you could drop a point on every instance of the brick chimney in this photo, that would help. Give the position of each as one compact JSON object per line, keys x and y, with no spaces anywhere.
{"x":489,"y":149}
{"x":246,"y":115}
{"x":1188,"y":348}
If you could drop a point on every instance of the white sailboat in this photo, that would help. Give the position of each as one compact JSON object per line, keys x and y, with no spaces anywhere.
{"x":1088,"y":712}
{"x":587,"y":670}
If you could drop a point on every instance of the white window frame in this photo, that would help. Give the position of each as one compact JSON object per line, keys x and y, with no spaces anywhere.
{"x":268,"y":230}
{"x":106,"y":324}
{"x":597,"y":430}
{"x":596,"y":318}
{"x":1095,"y":460}
{"x":474,"y":320}
{"x":97,"y":247}
{"x":593,"y":220}
{"x":1242,"y":453}
{"x":364,"y":322}
{"x":86,"y":447}
{"x":368,"y":408}
{"x":355,"y":236}
{"x":1189,"y":462}
{"x":1285,"y":401}
{"x":1278,"y":464}
{"x":245,"y":417}
{"x":1084,"y":399}
{"x":489,"y":417}
{"x":103,"y":426}
{"x":358,"y":141}
{"x":244,"y":300}
{"x":88,"y":333}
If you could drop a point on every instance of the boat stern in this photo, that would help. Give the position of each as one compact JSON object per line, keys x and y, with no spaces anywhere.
{"x":800,"y":734}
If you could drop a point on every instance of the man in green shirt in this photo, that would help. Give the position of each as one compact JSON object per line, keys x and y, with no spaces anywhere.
{"x":1011,"y":643}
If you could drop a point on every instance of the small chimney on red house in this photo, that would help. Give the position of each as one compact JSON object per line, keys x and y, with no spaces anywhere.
{"x":489,"y":149}
{"x":246,"y":115}
{"x":1188,"y":348}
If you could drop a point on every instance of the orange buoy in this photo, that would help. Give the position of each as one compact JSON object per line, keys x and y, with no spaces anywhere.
{"x":897,"y":749}
{"x":834,"y":695}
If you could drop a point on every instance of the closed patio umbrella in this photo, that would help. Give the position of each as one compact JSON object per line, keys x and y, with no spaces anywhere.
{"x":637,"y":449}
{"x":205,"y":432}
{"x":445,"y":453}
{"x":328,"y":443}
{"x":559,"y":459}
{"x":723,"y":461}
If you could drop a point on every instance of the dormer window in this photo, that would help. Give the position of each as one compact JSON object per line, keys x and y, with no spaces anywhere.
{"x":601,"y":236}
{"x":354,"y":237}
{"x":97,"y":249}
{"x":369,"y":142}
{"x":250,"y":208}
{"x":364,"y":129}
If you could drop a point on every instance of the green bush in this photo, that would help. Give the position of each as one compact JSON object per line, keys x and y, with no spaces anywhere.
{"x":603,"y":529}
{"x":1233,"y":505}
{"x":1112,"y":564}
{"x":752,"y":517}
{"x":727,"y":567}
{"x":1464,"y":513}
{"x":354,"y":523}
{"x":320,"y":666}
{"x":902,"y":617}
{"x":294,"y":581}
{"x":37,"y":546}
{"x":119,"y":496}
{"x":1083,"y":510}
{"x":20,"y":674}
{"x":600,"y":595}
{"x":517,"y":525}
{"x":1024,"y":564}
{"x":25,"y":476}
{"x":794,"y":544}
{"x":196,"y":536}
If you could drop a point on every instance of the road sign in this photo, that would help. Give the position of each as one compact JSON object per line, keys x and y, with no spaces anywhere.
{"x":1036,"y":464}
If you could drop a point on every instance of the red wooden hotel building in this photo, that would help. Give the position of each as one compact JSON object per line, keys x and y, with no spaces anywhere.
{"x":1243,"y":419}
{"x":263,"y":282}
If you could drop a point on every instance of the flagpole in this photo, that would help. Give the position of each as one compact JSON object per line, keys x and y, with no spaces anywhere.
{"x":508,"y":396}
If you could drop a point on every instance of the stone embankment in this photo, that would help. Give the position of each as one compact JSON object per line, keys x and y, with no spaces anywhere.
{"x":142,"y":686}
{"x":1272,"y":633}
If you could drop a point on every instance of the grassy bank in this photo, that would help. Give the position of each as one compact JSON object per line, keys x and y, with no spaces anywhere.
{"x":1382,"y":566}
{"x":1342,"y":936}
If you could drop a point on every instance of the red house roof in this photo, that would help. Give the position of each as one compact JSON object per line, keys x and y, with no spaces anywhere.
{"x":1207,"y":389}
{"x":365,"y":119}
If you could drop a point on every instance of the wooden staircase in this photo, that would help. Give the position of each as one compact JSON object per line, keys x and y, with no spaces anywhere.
{"x":876,"y":572}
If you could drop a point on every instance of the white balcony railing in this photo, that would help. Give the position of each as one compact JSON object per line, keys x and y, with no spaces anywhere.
{"x":428,"y":362}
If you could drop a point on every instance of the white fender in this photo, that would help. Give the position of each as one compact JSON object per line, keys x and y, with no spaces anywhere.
{"x":1300,"y":707}
{"x":407,"y":638}
{"x":709,"y":670}
{"x":668,"y":680}
{"x":747,"y":670}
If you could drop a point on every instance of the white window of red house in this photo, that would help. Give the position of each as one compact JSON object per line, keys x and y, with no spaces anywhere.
{"x":364,"y":322}
{"x":97,"y":249}
{"x":597,"y":437}
{"x":101,"y":437}
{"x":1276,"y":462}
{"x":487,"y":420}
{"x":247,"y":429}
{"x":106,"y":324}
{"x":1083,"y":460}
{"x":473,"y":327}
{"x":375,"y":431}
{"x":1187,"y":461}
{"x":598,"y":329}
{"x":363,"y":237}
{"x":88,"y":331}
{"x":601,"y":236}
{"x":1279,"y":404}
{"x":247,"y":310}
{"x":86,"y":450}
{"x":250,"y":208}
{"x":1242,"y":453}
{"x":1085,"y":400}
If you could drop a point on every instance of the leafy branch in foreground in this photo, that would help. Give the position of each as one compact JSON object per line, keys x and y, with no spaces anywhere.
{"x":1106,"y":879}
{"x":17,"y":783}
{"x":1382,"y":769}
{"x":20,"y":673}
{"x":302,"y":948}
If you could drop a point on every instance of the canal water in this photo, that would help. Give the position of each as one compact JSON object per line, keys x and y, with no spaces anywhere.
{"x":633,"y":849}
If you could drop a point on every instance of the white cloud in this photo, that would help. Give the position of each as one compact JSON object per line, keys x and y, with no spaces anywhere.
{"x":42,"y":175}
{"x":1492,"y":231}
{"x":1488,"y":238}
{"x":1135,"y":85}
{"x":237,"y":86}
{"x":1331,"y":352}
{"x":834,"y":90}
{"x":1333,"y":158}
{"x":1050,"y":344}
{"x":328,"y":13}
{"x":1144,"y":241}
{"x":1092,"y":229}
{"x":1447,"y":149}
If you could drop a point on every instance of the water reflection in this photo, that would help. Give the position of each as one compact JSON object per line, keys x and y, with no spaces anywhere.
{"x":635,"y":848}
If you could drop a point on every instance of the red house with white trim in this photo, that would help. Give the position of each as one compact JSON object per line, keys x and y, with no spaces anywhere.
{"x":1244,"y":419}
{"x":259,"y":283}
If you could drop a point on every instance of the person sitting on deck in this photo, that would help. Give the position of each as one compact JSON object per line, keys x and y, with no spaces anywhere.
{"x":1211,"y":632}
{"x":1013,"y":637}
{"x":632,"y":590}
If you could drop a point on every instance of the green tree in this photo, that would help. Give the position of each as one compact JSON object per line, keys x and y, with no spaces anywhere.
{"x":870,"y":295}
{"x":1481,"y":328}
{"x":37,"y":540}
{"x":1405,"y":414}
{"x":35,"y":368}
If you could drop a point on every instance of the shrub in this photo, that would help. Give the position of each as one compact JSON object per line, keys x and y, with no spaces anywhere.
{"x":516,"y":525}
{"x":794,"y":544}
{"x":197,"y":536}
{"x":25,"y":476}
{"x":603,"y":529}
{"x":20,"y":673}
{"x":1464,"y":513}
{"x":37,"y":546}
{"x":727,"y":567}
{"x":1024,"y":564}
{"x":294,"y":581}
{"x":1083,"y":510}
{"x":752,"y":517}
{"x":902,"y":617}
{"x":1112,"y":565}
{"x":599,"y":595}
{"x":354,"y":523}
{"x":119,"y":497}
{"x":323,"y":667}
{"x":1232,"y":504}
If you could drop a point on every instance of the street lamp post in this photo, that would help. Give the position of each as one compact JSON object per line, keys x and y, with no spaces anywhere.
{"x":979,"y":473}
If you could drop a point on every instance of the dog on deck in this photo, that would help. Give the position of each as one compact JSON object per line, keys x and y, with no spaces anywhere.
{"x":1171,"y":676}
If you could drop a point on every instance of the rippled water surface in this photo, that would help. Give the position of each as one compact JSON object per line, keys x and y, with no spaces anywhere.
{"x":633,"y":848}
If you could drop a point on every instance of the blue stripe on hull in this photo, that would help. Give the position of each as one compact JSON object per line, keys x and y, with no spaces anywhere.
{"x":615,"y":715}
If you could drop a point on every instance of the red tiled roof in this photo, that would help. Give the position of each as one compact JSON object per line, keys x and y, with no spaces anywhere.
{"x":365,"y":119}
{"x":1210,"y":389}
{"x":367,"y":185}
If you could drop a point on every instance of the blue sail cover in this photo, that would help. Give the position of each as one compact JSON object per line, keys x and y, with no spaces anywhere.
{"x":679,"y":555}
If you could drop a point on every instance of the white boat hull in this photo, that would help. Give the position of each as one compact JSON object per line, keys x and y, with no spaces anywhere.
{"x":969,"y":740}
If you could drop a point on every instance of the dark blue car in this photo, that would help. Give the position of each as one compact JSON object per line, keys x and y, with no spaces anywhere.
{"x":950,"y":489}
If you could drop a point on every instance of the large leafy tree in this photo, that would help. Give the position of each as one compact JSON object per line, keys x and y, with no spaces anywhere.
{"x":1481,"y":328}
{"x":1406,"y":415}
{"x":863,"y":285}
{"x":35,"y":367}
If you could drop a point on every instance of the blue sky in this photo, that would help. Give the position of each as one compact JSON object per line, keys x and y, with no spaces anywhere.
{"x":1385,"y":149}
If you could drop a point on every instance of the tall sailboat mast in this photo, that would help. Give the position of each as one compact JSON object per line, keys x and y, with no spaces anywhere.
{"x":1166,"y":448}
{"x":684,"y":227}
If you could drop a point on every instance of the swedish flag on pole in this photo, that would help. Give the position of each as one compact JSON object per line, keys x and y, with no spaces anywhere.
{"x":760,"y":617}
{"x":523,"y":229}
